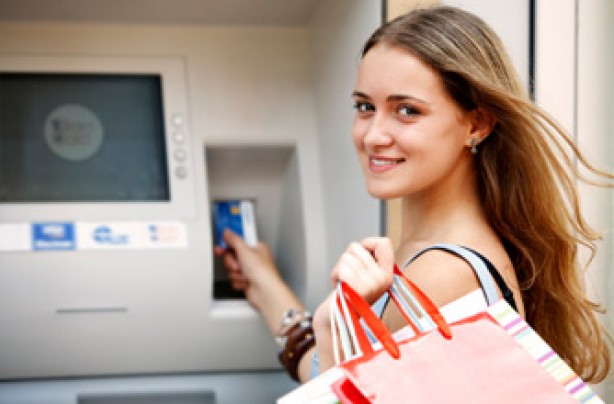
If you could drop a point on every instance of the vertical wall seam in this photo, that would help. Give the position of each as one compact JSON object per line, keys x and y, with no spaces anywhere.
{"x":383,"y":204}
{"x":532,"y":46}
{"x":576,"y":69}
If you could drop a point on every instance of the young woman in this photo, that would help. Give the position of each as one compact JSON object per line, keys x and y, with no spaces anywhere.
{"x":443,"y":122}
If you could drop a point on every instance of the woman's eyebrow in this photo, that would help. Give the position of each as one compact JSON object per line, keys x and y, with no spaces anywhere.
{"x":393,"y":97}
{"x":358,"y":94}
{"x":403,"y":97}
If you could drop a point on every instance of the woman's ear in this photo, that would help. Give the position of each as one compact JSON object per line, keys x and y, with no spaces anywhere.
{"x":482,"y":124}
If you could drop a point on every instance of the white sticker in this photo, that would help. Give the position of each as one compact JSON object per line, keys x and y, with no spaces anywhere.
{"x":131,"y":235}
{"x":73,"y":132}
{"x":142,"y":235}
{"x":15,"y":236}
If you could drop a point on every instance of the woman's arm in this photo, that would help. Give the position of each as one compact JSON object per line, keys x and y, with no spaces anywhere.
{"x":366,"y":266}
{"x":253,"y":270}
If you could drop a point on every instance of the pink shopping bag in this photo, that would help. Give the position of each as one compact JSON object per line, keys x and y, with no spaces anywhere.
{"x":492,"y":357}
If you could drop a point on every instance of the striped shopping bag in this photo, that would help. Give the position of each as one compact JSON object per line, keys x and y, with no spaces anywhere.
{"x":541,"y":352}
{"x":491,"y":357}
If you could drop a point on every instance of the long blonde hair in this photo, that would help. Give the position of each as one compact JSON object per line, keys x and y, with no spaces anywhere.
{"x":526,"y":178}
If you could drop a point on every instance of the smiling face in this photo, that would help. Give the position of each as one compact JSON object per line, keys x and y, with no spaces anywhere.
{"x":410,"y":136}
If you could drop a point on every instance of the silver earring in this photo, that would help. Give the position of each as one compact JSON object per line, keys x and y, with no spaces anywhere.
{"x":474,"y":146}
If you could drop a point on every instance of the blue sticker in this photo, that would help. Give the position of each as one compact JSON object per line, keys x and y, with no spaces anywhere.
{"x":105,"y":235}
{"x":53,"y":236}
{"x":153,"y":233}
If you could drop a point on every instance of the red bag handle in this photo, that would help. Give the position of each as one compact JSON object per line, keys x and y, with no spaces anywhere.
{"x":427,"y":305}
{"x":374,"y":322}
{"x":347,"y":392}
{"x":359,"y":308}
{"x":363,"y":341}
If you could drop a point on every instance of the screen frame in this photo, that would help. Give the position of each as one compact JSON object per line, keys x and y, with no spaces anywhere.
{"x":181,"y":174}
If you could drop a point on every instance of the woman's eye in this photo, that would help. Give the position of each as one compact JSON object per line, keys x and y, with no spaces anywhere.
{"x":362,"y":106}
{"x":406,"y":110}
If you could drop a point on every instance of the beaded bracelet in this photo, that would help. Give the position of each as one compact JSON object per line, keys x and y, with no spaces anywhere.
{"x":295,"y":337}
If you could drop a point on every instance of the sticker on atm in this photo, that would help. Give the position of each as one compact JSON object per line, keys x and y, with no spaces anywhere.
{"x":53,"y":236}
{"x":131,"y":235}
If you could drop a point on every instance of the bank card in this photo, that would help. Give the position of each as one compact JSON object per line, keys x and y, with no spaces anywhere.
{"x":237,"y":215}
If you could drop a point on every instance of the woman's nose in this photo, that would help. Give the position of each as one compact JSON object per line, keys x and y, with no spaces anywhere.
{"x":378,"y":132}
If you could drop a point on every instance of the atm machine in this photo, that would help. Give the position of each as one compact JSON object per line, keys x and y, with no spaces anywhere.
{"x":118,"y":130}
{"x":117,"y":133}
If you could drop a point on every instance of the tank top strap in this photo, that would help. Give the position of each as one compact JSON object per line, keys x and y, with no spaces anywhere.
{"x":487,"y":284}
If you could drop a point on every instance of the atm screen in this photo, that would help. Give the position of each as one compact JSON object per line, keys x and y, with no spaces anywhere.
{"x":82,"y":138}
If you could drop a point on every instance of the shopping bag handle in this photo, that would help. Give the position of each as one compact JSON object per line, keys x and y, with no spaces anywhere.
{"x":426,"y":303}
{"x":364,"y":344}
{"x":353,"y":306}
{"x":375,"y":324}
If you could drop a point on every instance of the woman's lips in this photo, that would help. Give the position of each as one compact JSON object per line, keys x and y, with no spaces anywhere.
{"x":381,"y":164}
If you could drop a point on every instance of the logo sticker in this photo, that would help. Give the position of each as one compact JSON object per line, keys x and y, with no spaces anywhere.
{"x":73,"y":132}
{"x":130,"y":235}
{"x":104,"y":235}
{"x":53,"y":236}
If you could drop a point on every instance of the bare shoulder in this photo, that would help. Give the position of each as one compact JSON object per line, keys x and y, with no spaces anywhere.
{"x":443,"y":276}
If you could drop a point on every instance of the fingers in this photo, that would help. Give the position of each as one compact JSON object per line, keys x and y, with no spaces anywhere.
{"x":375,"y":253}
{"x":352,"y":262}
{"x":229,"y":254}
{"x":367,"y":267}
{"x":382,"y":250}
{"x":233,"y":240}
{"x":237,"y":280}
{"x":231,"y":263}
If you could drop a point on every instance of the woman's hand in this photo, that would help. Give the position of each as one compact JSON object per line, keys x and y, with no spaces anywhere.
{"x":250,"y":269}
{"x":253,"y":270}
{"x":368,"y":268}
